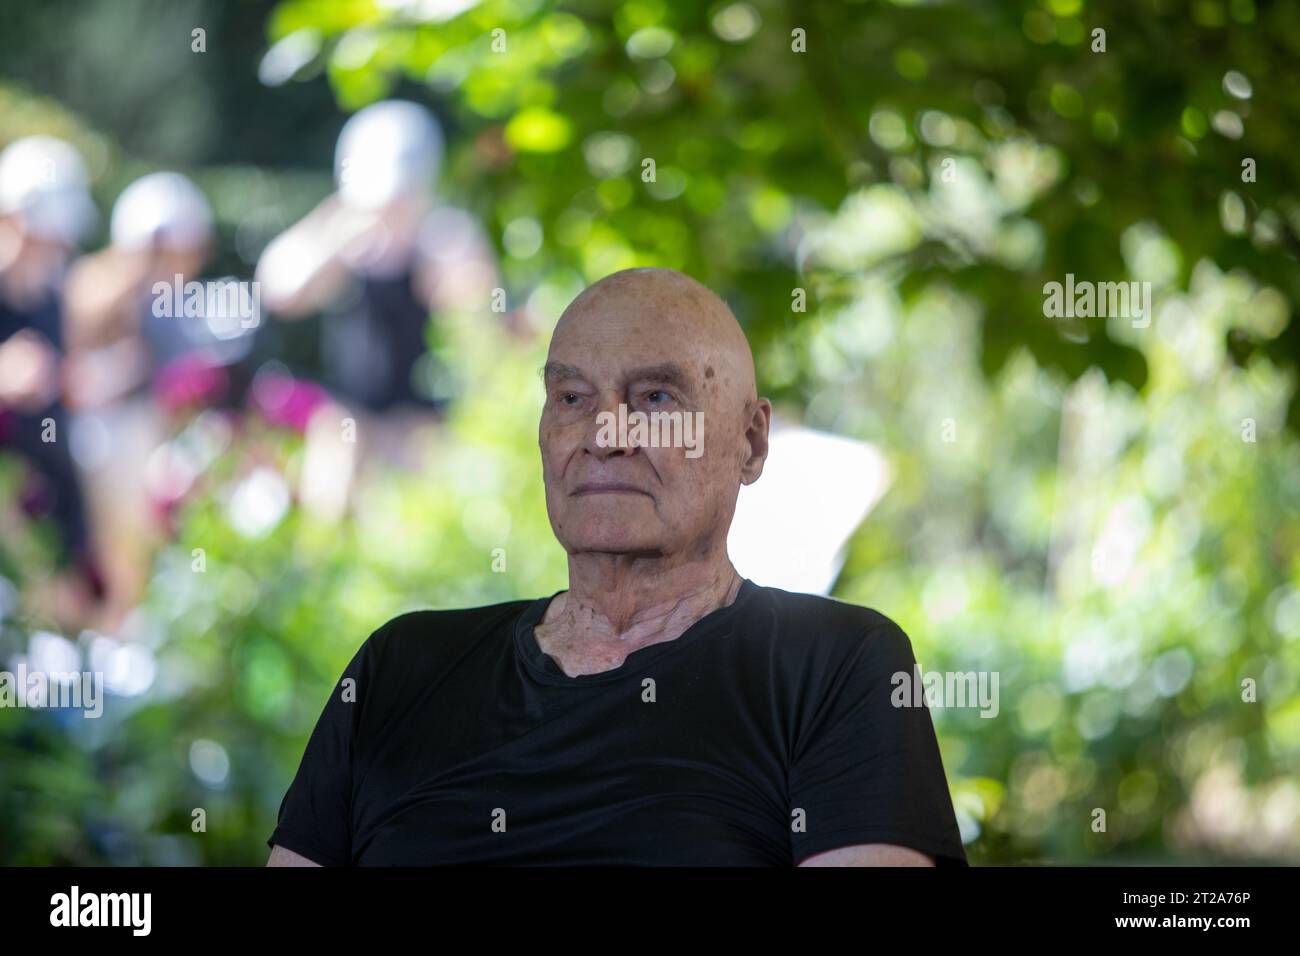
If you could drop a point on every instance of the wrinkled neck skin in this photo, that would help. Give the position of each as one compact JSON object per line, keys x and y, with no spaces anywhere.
{"x":623,"y":602}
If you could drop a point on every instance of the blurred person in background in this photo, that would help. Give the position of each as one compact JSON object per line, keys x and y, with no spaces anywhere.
{"x":45,"y":212}
{"x":135,"y":365}
{"x":371,"y":262}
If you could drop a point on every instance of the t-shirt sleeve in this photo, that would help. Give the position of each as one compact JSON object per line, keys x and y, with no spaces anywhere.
{"x":866,"y":771}
{"x":315,"y":817}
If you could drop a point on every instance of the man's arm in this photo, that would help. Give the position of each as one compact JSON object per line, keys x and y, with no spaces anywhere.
{"x":284,"y":857}
{"x":866,"y":770}
{"x":316,"y":812}
{"x":304,"y":267}
{"x":870,"y":854}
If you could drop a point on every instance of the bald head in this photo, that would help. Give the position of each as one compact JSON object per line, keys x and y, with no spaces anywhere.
{"x":655,"y":341}
{"x":655,"y":307}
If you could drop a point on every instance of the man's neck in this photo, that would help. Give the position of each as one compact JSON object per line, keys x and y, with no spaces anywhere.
{"x":616,"y":605}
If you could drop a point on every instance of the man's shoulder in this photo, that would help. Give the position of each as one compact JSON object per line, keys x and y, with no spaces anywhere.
{"x":422,"y":627}
{"x":812,"y":620}
{"x":831,"y":613}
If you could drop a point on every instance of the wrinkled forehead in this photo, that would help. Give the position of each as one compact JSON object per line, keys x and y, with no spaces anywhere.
{"x":635,"y":327}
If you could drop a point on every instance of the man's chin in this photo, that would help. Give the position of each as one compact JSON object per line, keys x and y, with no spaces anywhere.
{"x":612,"y":541}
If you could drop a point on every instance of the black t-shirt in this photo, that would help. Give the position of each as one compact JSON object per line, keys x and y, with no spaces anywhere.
{"x":762,"y":735}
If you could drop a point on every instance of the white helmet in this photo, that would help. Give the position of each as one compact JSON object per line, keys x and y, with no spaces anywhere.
{"x":163,"y":207}
{"x":387,"y":150}
{"x":43,"y":180}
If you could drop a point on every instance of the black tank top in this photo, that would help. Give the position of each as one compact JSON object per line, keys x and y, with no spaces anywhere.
{"x":373,"y":340}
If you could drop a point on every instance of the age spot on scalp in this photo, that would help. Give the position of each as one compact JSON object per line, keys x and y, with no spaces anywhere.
{"x":708,"y":371}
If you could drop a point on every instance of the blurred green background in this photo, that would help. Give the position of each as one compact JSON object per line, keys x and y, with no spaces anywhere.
{"x":1101,"y":530}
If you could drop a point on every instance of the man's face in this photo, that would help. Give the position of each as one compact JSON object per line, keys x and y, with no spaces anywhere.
{"x":641,"y":348}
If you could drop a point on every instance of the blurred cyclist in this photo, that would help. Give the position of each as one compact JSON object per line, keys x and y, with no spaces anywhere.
{"x":374,"y":260}
{"x":45,"y":211}
{"x":137,"y":364}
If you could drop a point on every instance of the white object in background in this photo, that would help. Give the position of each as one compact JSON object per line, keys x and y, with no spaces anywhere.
{"x":161,"y":207}
{"x":44,"y":180}
{"x":792,"y":525}
{"x":388,"y":150}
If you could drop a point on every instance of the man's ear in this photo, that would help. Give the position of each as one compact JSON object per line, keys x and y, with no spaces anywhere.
{"x":757,"y":426}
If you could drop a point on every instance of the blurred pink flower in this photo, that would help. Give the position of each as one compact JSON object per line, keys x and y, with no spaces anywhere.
{"x":189,"y":381}
{"x":284,"y":400}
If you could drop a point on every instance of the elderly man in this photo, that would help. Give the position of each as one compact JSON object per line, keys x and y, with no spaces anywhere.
{"x":662,"y":710}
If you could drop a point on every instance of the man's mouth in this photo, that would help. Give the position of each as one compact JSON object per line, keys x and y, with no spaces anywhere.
{"x":606,"y":488}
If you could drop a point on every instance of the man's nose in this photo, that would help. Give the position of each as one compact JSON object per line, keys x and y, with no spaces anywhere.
{"x":607,"y":434}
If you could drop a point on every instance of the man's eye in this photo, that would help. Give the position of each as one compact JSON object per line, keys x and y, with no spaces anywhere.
{"x":658,"y":397}
{"x":570,"y":398}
